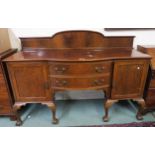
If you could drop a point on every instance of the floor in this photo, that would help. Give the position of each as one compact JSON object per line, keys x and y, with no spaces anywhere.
{"x":77,"y":113}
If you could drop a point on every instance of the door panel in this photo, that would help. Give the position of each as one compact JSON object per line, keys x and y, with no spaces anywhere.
{"x":29,"y":80}
{"x":129,"y":78}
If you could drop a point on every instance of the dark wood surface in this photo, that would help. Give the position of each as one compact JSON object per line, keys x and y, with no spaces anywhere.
{"x":6,"y":100}
{"x":28,"y":81}
{"x":77,"y":39}
{"x":77,"y":60}
{"x":76,"y":55}
{"x":129,"y":78}
{"x":149,"y":93}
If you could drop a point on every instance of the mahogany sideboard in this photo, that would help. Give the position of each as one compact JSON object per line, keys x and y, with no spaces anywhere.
{"x":77,"y":60}
{"x":149,"y":93}
{"x":6,"y":98}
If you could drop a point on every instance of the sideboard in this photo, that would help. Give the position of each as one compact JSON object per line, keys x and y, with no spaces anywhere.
{"x":77,"y":60}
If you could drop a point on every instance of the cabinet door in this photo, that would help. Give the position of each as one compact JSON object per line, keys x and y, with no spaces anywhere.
{"x":29,"y":81}
{"x":129,"y":78}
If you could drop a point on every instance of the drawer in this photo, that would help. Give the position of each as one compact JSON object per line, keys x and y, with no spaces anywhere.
{"x":80,"y":68}
{"x":80,"y":83}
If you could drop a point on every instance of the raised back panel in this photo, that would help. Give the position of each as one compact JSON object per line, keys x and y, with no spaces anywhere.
{"x":77,"y":39}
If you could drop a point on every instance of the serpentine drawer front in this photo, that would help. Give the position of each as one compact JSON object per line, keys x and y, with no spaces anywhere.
{"x":77,"y":60}
{"x":80,"y":75}
{"x":80,"y":83}
{"x":80,"y":68}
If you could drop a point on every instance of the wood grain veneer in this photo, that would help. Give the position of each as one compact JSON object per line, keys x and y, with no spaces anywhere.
{"x":77,"y":60}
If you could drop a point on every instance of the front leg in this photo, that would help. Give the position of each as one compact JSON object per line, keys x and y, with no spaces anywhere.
{"x":52,"y":107}
{"x":141,"y":103}
{"x":107,"y":105}
{"x":16,"y":107}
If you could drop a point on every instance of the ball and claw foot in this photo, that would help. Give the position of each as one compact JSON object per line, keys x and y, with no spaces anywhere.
{"x":19,"y":123}
{"x":140,"y":112}
{"x":55,"y":121}
{"x":139,"y":117}
{"x":105,"y":119}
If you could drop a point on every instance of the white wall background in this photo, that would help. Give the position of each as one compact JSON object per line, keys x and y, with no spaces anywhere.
{"x":146,"y":37}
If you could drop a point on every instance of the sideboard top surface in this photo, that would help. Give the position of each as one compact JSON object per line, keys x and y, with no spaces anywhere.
{"x":75,"y":55}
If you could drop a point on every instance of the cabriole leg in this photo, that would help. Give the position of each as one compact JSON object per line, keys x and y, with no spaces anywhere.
{"x":52,"y":107}
{"x":107,"y":105}
{"x":141,"y":103}
{"x":18,"y":119}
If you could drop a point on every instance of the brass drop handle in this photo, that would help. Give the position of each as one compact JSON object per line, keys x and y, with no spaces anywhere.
{"x":90,"y":54}
{"x":60,"y":69}
{"x":99,"y":69}
{"x":62,"y":83}
{"x":98,"y":82}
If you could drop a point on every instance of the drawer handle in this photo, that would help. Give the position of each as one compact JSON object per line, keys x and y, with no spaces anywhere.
{"x":90,"y":54}
{"x":98,"y":82}
{"x":99,"y":69}
{"x":60,"y":69}
{"x":61,"y":83}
